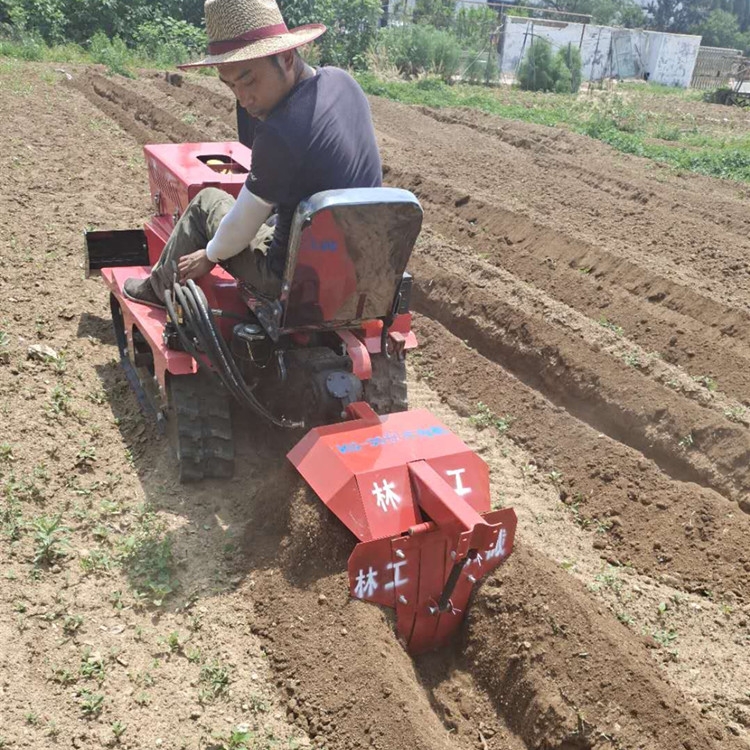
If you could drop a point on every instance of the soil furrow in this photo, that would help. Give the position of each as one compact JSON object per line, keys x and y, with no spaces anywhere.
{"x":528,"y":622}
{"x":611,"y":397}
{"x":646,"y":520}
{"x":138,"y":116}
{"x":669,"y":238}
{"x":567,"y":677}
{"x":680,"y":324}
{"x":552,"y":147}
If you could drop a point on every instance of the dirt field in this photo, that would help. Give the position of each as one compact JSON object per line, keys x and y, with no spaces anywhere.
{"x":583,"y":324}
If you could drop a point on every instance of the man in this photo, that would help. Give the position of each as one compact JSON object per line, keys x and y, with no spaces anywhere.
{"x":312,"y":131}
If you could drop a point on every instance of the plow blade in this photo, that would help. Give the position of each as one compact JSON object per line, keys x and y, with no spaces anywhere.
{"x":418,"y":500}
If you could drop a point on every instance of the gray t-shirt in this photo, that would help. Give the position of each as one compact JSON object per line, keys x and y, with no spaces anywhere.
{"x":320,"y":137}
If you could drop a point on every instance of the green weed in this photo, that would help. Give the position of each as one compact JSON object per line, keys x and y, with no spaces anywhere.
{"x":146,"y":556}
{"x":118,"y":729}
{"x":707,"y":382}
{"x":86,"y":456}
{"x":92,"y":665}
{"x":610,"y":326}
{"x":91,"y":703}
{"x":72,"y":624}
{"x":214,"y":678}
{"x":97,"y":561}
{"x":61,"y":405}
{"x":736,"y":414}
{"x":49,"y":538}
{"x":687,"y":441}
{"x":484,"y":418}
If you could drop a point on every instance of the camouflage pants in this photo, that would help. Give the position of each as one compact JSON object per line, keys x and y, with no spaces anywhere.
{"x":194,"y":230}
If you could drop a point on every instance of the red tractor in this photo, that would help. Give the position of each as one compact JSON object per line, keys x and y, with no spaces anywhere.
{"x":330,"y":351}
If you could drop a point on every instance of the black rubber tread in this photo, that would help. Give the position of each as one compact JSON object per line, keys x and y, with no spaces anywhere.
{"x":201,"y":427}
{"x":386,"y":390}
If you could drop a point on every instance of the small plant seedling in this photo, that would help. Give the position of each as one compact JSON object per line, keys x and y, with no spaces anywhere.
{"x":707,"y":382}
{"x":6,"y":453}
{"x":142,"y":699}
{"x":215,"y":679}
{"x":173,"y":642}
{"x":625,"y":618}
{"x":687,"y":442}
{"x":736,"y":414}
{"x":484,"y":418}
{"x":118,"y":729}
{"x":63,"y":676}
{"x":32,"y":718}
{"x":665,"y":637}
{"x":86,"y":456}
{"x":632,"y":359}
{"x":556,"y":478}
{"x":91,"y":703}
{"x":60,"y":401}
{"x":610,"y":326}
{"x":92,"y":665}
{"x":115,"y":599}
{"x":50,"y":539}
{"x":96,"y":562}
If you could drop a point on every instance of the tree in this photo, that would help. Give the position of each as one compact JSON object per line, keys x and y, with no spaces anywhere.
{"x":677,"y":16}
{"x":437,"y":13}
{"x":352,"y":27}
{"x":541,"y":71}
{"x":604,"y":12}
{"x":722,"y":29}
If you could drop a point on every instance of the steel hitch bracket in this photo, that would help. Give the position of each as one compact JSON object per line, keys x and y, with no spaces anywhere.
{"x":418,"y":500}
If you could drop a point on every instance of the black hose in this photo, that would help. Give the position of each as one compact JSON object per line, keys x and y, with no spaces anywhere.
{"x":227,"y":361}
{"x":190,"y":310}
{"x":199,"y":318}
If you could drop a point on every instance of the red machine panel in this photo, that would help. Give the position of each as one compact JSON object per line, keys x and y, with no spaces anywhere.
{"x":418,"y":499}
{"x":177,"y":172}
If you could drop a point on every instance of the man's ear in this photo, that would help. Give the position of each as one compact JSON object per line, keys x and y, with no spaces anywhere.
{"x":288,"y":58}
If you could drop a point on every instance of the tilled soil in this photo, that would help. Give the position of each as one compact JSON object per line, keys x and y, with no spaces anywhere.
{"x":597,"y":302}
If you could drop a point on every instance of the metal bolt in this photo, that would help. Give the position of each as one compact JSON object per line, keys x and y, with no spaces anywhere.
{"x":432,"y":610}
{"x":402,"y":599}
{"x":453,"y":555}
{"x":400,"y":554}
{"x":472,"y":579}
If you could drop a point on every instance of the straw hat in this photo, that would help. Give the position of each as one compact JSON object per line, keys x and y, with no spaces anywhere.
{"x":248,"y":29}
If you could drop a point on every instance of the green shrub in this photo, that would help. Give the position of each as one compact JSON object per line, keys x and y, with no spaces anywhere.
{"x":169,"y":41}
{"x":537,"y":71}
{"x":112,"y":53}
{"x":543,"y":71}
{"x":21,"y":45}
{"x":435,"y":13}
{"x":352,"y":27}
{"x":570,"y":58}
{"x":473,"y":26}
{"x":416,"y":49}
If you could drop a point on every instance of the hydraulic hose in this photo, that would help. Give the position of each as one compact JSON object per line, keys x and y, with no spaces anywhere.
{"x":201,"y":322}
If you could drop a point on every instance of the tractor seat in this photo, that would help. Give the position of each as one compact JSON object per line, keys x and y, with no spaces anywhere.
{"x":348,"y":251}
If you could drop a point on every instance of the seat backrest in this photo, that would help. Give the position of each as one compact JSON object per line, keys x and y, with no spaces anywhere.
{"x":348,"y":251}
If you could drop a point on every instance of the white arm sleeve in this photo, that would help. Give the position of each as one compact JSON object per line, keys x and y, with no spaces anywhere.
{"x":239,"y":226}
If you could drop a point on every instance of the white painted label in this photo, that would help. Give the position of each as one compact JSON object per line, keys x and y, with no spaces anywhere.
{"x":386,"y":497}
{"x":367,"y":583}
{"x":457,"y":478}
{"x":397,"y":579}
{"x":499,"y":549}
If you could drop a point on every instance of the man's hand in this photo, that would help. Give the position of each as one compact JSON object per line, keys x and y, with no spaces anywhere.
{"x":194,"y":266}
